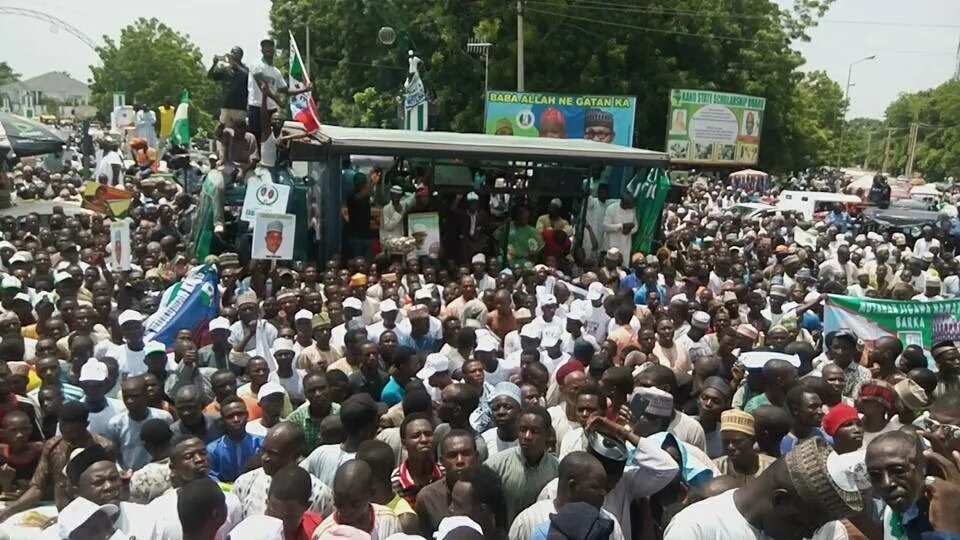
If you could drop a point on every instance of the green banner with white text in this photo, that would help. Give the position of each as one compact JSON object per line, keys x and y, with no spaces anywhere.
{"x":915,"y":323}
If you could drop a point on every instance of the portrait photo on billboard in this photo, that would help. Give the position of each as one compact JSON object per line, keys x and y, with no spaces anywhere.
{"x":273,"y":236}
{"x":606,"y":119}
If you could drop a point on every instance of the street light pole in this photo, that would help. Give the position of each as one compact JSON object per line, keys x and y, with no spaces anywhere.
{"x":846,"y":106}
{"x":519,"y":45}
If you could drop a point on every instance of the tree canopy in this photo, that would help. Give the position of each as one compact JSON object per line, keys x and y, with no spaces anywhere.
{"x":153,"y":64}
{"x":572,"y":46}
{"x":7,"y":74}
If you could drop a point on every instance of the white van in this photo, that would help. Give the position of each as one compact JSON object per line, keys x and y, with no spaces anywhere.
{"x":809,"y":203}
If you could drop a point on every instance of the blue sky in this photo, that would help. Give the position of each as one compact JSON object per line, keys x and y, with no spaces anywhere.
{"x":910,"y":56}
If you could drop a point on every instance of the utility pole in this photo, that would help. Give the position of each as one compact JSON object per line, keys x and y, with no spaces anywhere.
{"x":308,"y":68}
{"x":866,"y":157}
{"x":886,"y":151}
{"x":912,"y":151}
{"x":519,"y":45}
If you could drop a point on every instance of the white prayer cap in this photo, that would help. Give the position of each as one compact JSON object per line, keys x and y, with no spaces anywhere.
{"x":575,"y":315}
{"x":353,"y":302}
{"x":270,"y":388}
{"x":303,"y":314}
{"x":473,"y":196}
{"x":388,"y":305}
{"x":479,"y":258}
{"x":129,"y":315}
{"x":219,"y":323}
{"x":659,"y":403}
{"x":78,"y":512}
{"x":282,"y":344}
{"x":508,"y":389}
{"x":93,"y":370}
{"x":10,"y":282}
{"x":701,"y":319}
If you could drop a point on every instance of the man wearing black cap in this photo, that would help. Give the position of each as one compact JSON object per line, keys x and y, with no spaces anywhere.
{"x":48,"y":480}
{"x":598,"y":126}
{"x":95,"y":477}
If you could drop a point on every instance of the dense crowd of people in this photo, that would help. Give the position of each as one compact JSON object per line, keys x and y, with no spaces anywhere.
{"x":471,"y":391}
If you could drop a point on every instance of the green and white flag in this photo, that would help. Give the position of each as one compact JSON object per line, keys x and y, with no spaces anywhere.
{"x":180,"y":133}
{"x":915,"y":323}
{"x":650,"y":193}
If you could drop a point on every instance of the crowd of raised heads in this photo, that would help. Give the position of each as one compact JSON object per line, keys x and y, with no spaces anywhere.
{"x":685,"y":393}
{"x":537,"y":380}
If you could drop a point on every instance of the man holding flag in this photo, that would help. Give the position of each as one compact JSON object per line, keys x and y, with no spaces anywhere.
{"x":266,"y":81}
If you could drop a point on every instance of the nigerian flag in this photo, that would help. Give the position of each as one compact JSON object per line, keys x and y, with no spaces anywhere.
{"x":180,"y":134}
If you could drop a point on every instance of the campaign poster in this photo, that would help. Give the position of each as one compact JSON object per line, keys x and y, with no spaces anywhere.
{"x":120,"y":244}
{"x":424,"y":227}
{"x":714,"y":128}
{"x":273,"y":236}
{"x":263,"y":195}
{"x":606,"y":119}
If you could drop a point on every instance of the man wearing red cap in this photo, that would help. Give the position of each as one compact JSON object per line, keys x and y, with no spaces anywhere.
{"x":877,"y":403}
{"x":842,"y":422}
{"x":553,"y":125}
{"x":571,"y":378}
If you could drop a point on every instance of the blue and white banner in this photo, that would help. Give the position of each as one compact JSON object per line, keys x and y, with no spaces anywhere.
{"x":189,"y":304}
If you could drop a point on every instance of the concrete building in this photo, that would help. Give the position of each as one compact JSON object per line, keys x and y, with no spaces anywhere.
{"x":26,"y":97}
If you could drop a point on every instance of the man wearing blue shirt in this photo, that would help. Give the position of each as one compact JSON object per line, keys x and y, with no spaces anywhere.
{"x":419,"y":339}
{"x":405,"y":367}
{"x":230,"y":453}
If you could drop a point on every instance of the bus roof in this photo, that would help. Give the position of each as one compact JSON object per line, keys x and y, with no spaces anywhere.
{"x":344,"y":140}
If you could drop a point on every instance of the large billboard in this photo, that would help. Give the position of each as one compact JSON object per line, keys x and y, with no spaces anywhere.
{"x":714,"y":128}
{"x":561,"y":116}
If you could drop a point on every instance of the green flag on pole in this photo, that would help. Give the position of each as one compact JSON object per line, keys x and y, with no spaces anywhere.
{"x":650,"y":194}
{"x":180,"y":134}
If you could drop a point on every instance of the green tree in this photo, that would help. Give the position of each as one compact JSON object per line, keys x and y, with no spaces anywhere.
{"x":937,"y":111}
{"x":861,"y":135}
{"x":575,"y":46}
{"x":153,"y":64}
{"x":7,"y":74}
